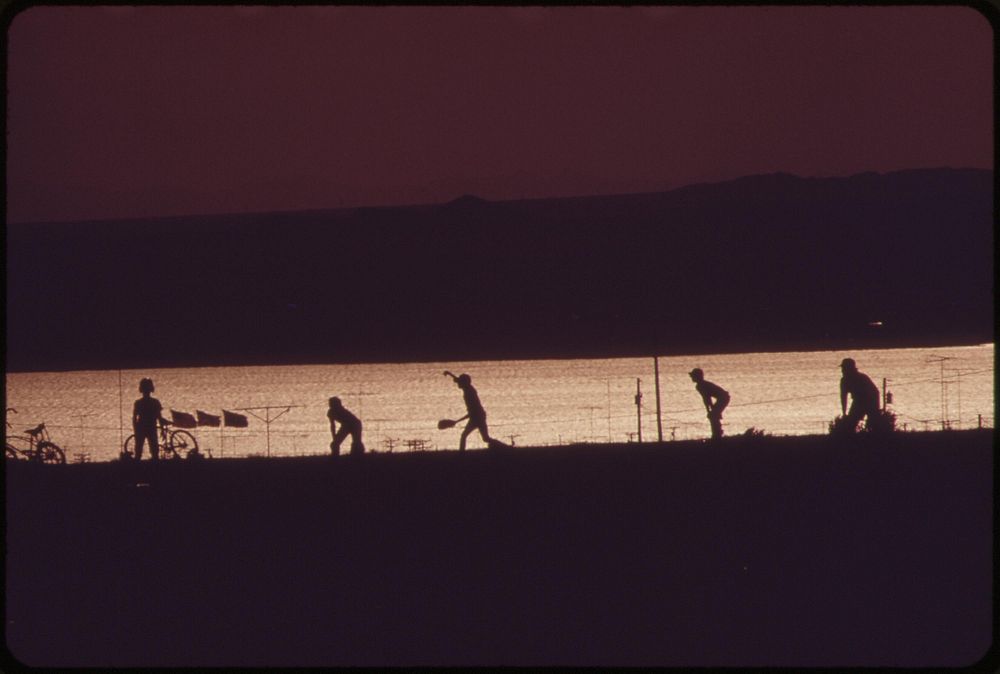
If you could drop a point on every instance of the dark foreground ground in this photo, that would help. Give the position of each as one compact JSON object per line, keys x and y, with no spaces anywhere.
{"x":780,"y":551}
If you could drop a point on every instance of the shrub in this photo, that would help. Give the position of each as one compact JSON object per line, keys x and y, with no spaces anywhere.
{"x":882,"y":423}
{"x":839,"y":426}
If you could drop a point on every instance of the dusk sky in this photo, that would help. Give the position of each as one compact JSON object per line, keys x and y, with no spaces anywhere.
{"x":146,"y":111}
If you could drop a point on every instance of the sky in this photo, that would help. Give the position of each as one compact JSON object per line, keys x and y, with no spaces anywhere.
{"x":127,"y":112}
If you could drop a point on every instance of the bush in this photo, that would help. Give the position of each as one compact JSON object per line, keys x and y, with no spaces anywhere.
{"x":840,"y":427}
{"x":882,"y":423}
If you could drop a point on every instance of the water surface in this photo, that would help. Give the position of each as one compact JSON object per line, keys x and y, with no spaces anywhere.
{"x":537,"y":402}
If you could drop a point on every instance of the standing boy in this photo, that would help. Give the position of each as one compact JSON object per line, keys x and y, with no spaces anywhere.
{"x":146,"y":414}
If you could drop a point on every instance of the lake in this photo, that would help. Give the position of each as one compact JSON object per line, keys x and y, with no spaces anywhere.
{"x":528,"y":402}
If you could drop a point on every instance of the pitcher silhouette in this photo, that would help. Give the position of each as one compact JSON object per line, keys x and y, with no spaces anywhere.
{"x":475,"y":412}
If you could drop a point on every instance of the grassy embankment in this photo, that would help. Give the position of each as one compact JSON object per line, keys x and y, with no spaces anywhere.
{"x":751,"y":551}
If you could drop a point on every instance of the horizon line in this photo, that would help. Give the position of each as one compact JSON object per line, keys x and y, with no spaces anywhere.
{"x":465,"y":196}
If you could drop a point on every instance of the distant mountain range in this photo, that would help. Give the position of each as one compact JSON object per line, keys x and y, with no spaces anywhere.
{"x":768,"y":262}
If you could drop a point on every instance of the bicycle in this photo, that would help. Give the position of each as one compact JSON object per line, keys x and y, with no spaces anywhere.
{"x":172,"y":443}
{"x":40,"y":447}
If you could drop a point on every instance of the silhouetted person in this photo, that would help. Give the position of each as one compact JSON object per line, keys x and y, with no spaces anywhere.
{"x":349,"y":425}
{"x":474,"y":410}
{"x":863,"y":392}
{"x":147,"y":413}
{"x":715,"y":398}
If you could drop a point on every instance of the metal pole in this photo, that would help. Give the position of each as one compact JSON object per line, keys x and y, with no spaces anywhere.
{"x":941,"y":384}
{"x":83,"y":430}
{"x":958,"y":373}
{"x":121,"y":418}
{"x":638,"y":408}
{"x":944,"y":392}
{"x":609,"y":409}
{"x":267,"y":418}
{"x":659,"y":423}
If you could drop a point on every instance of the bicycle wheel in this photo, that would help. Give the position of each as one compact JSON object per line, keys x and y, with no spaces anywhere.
{"x":17,"y":448}
{"x":50,"y":452}
{"x":128,"y":449}
{"x":179,"y":444}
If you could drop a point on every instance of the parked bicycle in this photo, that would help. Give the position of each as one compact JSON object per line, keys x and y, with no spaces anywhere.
{"x":173,"y":443}
{"x":35,"y":446}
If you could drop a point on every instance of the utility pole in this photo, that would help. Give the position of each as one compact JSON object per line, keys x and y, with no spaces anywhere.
{"x":659,"y":422}
{"x":638,"y":408}
{"x":358,"y":396}
{"x":591,"y":408}
{"x":958,"y":376}
{"x":121,"y":418}
{"x":82,"y":429}
{"x":267,"y":418}
{"x":944,"y":395}
{"x":608,"y":383}
{"x":376,"y":432}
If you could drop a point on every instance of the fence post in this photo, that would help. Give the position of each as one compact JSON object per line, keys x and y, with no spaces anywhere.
{"x":659,"y":422}
{"x":638,"y":408}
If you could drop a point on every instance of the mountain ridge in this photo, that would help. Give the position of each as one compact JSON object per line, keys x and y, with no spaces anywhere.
{"x":474,"y":198}
{"x":761,"y":263}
